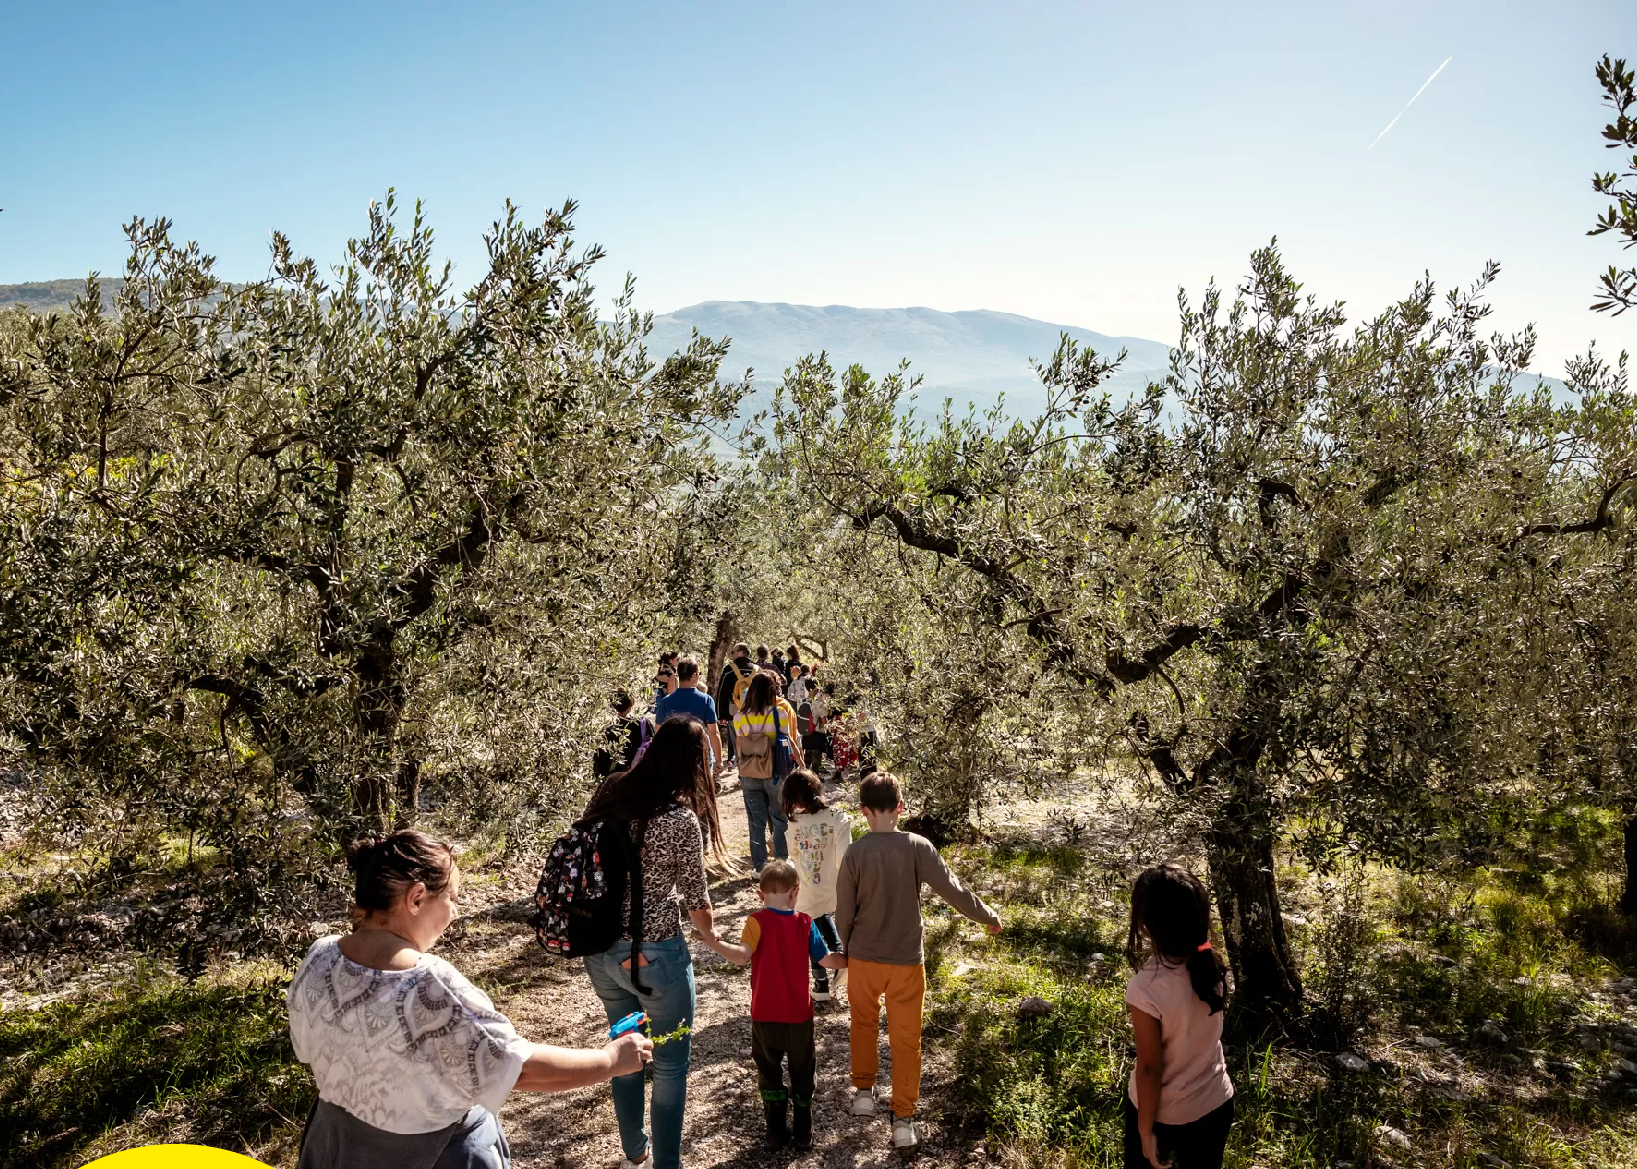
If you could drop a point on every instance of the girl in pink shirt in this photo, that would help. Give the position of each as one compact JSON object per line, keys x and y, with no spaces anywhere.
{"x":1180,"y":1102}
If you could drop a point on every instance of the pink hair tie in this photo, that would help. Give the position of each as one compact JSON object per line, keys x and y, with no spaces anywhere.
{"x":1206,"y":945}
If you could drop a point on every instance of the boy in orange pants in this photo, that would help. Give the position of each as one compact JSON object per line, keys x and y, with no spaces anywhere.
{"x":878,"y":918}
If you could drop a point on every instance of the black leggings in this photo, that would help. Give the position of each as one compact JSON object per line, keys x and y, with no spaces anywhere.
{"x":826,"y":924}
{"x":1196,"y":1145}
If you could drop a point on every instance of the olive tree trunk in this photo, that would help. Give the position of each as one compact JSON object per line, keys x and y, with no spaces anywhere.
{"x":1267,"y":984}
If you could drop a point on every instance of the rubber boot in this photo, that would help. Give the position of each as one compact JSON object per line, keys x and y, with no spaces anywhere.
{"x":801,"y":1127}
{"x":778,"y":1135}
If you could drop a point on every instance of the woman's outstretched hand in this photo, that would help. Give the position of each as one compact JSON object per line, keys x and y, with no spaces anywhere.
{"x":629,"y":1052}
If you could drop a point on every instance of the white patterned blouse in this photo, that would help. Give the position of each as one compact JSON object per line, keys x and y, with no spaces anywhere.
{"x":407,"y":1051}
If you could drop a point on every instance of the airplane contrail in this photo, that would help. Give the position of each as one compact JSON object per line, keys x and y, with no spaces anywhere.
{"x":1408,"y":104}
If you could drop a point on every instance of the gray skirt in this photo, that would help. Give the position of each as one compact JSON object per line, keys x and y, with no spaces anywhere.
{"x":336,"y":1139}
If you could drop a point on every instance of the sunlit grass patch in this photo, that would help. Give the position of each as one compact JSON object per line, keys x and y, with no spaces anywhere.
{"x":213,"y":1059}
{"x":1448,"y":960}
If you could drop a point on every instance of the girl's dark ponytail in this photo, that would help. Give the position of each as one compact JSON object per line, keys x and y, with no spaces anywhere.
{"x":1209,"y":978}
{"x":1173,"y":906}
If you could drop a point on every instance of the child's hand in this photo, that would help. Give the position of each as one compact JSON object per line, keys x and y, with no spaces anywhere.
{"x":996,"y":928}
{"x":1151,"y":1150}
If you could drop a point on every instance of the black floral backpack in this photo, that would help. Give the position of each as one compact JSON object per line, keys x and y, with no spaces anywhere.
{"x":579,"y":903}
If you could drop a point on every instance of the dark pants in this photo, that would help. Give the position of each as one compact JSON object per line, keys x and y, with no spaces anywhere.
{"x":773,"y":1043}
{"x":826,"y":924}
{"x":336,"y":1139}
{"x":1195,"y":1145}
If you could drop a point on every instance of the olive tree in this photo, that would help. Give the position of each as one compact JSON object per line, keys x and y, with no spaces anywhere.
{"x":284,"y":549}
{"x":1275,"y":576}
{"x":1620,"y":217}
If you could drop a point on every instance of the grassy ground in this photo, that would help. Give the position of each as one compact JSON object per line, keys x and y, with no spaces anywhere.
{"x":1489,"y":1011}
{"x":1491,"y":1034}
{"x":207,"y":1062}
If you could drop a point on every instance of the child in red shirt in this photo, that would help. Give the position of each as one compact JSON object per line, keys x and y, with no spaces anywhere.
{"x":779,"y":943}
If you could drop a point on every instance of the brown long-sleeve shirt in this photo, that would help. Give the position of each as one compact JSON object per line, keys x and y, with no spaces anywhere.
{"x":878,"y":896}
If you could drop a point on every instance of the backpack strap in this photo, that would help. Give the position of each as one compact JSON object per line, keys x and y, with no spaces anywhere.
{"x":635,"y":924}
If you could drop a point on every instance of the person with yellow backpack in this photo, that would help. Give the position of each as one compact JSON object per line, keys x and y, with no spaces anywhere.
{"x":769,"y":749}
{"x":730,"y":694}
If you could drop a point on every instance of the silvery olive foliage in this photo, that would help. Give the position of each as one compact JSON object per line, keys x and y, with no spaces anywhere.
{"x":325,"y":552}
{"x":1619,"y":286}
{"x":1289,"y":581}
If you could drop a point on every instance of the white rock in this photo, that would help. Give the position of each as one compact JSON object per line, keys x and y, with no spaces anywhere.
{"x":1392,"y":1136}
{"x":1429,"y":1042}
{"x":962,"y":969}
{"x":1351,"y":1062}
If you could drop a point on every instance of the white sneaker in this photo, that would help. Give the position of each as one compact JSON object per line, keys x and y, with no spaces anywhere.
{"x":903,"y":1134}
{"x":863,"y":1102}
{"x":821,"y":996}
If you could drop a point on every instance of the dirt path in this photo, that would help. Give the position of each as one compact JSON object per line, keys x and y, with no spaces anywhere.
{"x":552,"y":1002}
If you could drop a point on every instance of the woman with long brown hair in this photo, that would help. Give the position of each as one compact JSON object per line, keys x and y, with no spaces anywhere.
{"x":756,"y":729}
{"x":668,"y":802}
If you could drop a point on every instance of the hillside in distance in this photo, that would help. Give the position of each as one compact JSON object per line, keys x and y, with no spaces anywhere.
{"x":974,"y":356}
{"x":45,"y":296}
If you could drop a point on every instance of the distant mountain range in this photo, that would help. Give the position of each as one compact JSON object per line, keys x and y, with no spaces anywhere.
{"x":970,"y":357}
{"x":44,"y":296}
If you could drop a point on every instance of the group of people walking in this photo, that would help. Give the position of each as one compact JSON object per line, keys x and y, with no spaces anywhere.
{"x":412,"y":1061}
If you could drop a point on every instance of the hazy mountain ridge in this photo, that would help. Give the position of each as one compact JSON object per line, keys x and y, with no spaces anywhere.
{"x":974,"y":355}
{"x":44,"y":296}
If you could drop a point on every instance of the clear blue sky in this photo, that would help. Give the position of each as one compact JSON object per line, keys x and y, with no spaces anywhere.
{"x":1071,"y":162}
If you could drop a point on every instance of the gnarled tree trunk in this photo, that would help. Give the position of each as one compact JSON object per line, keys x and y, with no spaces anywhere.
{"x":388,"y":790}
{"x":721,"y":642}
{"x":1267,"y":984}
{"x":1239,"y":844}
{"x":1628,"y":898}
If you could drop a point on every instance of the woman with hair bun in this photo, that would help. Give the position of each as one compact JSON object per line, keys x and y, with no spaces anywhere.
{"x":413,"y":1061}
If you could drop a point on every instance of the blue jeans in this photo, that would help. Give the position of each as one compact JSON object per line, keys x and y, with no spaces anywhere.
{"x":763,"y":804}
{"x":669,"y":1003}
